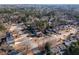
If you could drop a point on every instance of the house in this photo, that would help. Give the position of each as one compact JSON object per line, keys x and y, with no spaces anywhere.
{"x":9,"y":38}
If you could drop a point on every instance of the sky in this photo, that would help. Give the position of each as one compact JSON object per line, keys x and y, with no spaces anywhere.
{"x":39,"y":1}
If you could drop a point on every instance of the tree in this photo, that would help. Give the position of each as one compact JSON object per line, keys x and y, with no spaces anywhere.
{"x":31,"y":30}
{"x":42,"y":25}
{"x":47,"y":49}
{"x":73,"y":49}
{"x":23,"y":19}
{"x":2,"y":28}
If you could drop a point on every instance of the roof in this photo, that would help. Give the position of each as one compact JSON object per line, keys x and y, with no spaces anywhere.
{"x":9,"y":38}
